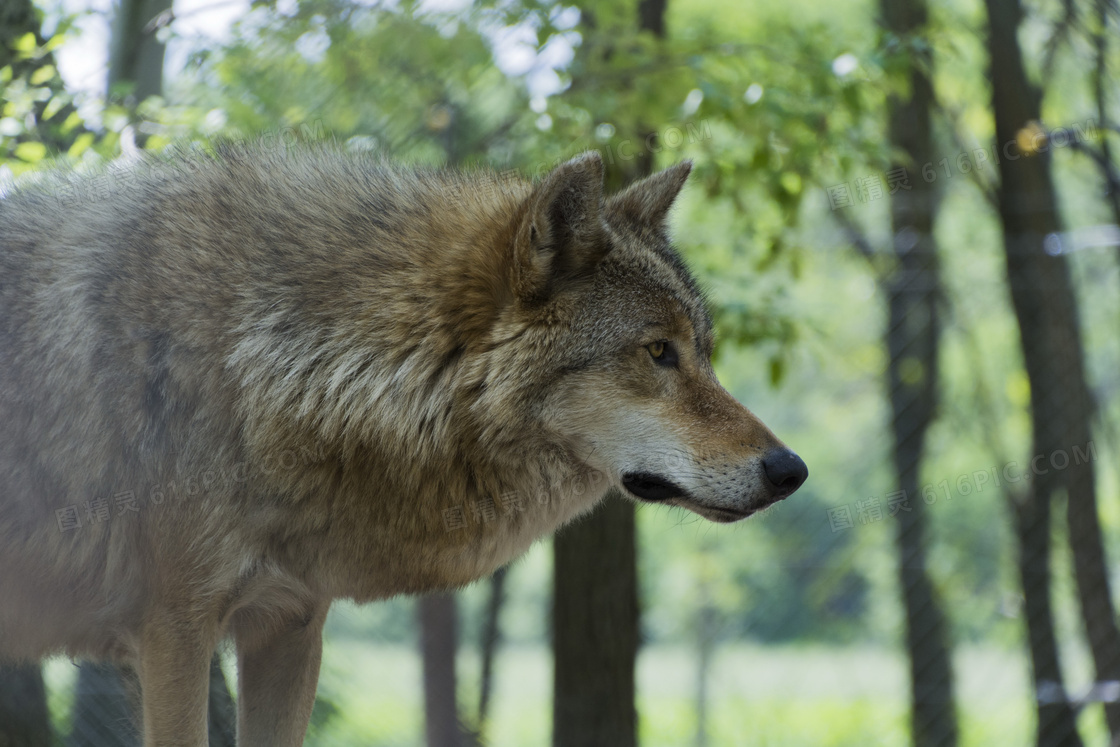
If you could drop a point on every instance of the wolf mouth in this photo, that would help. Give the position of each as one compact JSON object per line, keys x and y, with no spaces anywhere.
{"x":651,"y":487}
{"x":656,"y":489}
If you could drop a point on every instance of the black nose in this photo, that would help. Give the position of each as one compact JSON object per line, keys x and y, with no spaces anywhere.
{"x":785,"y":471}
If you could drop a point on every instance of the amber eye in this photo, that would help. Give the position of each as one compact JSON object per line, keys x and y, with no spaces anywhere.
{"x":663,"y":352}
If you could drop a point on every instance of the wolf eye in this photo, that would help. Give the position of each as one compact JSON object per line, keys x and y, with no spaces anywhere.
{"x":663,"y":352}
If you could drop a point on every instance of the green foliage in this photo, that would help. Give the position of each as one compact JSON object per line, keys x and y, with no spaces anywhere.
{"x":422,"y":86}
{"x":39,"y":120}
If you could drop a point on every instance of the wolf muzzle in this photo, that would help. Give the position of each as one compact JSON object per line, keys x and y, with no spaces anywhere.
{"x":785,"y":472}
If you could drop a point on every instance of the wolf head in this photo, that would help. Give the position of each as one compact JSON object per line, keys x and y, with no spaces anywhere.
{"x":621,"y":327}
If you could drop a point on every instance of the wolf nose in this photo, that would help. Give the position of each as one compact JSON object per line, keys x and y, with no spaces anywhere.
{"x":785,"y":471}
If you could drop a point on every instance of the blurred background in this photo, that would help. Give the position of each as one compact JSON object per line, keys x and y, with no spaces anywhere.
{"x":906,"y":218}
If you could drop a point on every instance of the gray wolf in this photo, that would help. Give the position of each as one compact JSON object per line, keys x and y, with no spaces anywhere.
{"x":237,"y":389}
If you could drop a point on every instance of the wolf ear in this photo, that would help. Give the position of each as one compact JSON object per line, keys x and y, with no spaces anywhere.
{"x":562,"y":234}
{"x":647,"y":202}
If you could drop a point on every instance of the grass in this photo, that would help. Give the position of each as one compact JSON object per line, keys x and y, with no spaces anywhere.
{"x":783,"y":696}
{"x":762,"y":696}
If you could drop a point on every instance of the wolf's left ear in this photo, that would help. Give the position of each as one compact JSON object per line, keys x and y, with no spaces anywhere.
{"x":647,"y":202}
{"x":562,"y":234}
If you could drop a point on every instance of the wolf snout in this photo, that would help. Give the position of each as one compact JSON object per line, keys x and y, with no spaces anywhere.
{"x":785,"y":471}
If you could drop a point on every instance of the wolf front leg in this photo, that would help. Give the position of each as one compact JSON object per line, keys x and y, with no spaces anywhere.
{"x":276,"y":678}
{"x":174,"y":672}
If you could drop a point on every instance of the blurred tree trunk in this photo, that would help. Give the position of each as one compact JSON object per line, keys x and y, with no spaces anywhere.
{"x":106,"y":711}
{"x":439,"y":639}
{"x":1027,"y":214}
{"x":439,"y":613}
{"x":1061,"y":404}
{"x":706,"y":648}
{"x":17,"y":17}
{"x":1104,"y":10}
{"x":439,"y":643}
{"x":24,"y":721}
{"x":222,"y":710}
{"x":595,"y":629}
{"x":595,"y":617}
{"x":135,"y":54}
{"x":491,"y":638}
{"x":913,"y":330}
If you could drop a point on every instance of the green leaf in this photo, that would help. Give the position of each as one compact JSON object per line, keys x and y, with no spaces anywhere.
{"x":42,"y":75}
{"x":777,"y":370}
{"x":54,"y":106}
{"x":81,"y":144}
{"x":31,"y":151}
{"x":25,"y":45}
{"x":57,"y":40}
{"x":71,"y":122}
{"x":791,"y":182}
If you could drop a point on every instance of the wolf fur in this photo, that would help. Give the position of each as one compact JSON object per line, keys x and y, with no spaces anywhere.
{"x":237,"y":389}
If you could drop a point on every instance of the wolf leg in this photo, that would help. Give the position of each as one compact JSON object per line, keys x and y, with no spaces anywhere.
{"x":276,"y":678}
{"x":174,"y":672}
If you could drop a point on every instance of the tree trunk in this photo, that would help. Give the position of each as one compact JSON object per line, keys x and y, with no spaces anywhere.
{"x":438,"y":641}
{"x":706,"y":648}
{"x":1056,"y":724}
{"x":595,"y":618}
{"x":222,"y":710}
{"x":106,"y":710}
{"x":18,"y":17}
{"x":1024,"y":226}
{"x":595,"y":629}
{"x":912,"y":335}
{"x":491,"y":637}
{"x":1103,"y":10}
{"x":439,"y":613}
{"x":1061,"y":405}
{"x":24,"y":721}
{"x":135,"y":54}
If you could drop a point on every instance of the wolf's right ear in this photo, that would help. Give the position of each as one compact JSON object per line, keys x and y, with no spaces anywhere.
{"x":562,"y":233}
{"x":647,"y":202}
